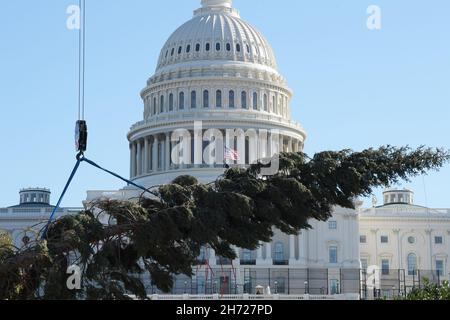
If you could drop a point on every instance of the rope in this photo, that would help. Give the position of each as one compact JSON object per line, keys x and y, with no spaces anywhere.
{"x":55,"y":209}
{"x":81,"y":158}
{"x":92,"y":163}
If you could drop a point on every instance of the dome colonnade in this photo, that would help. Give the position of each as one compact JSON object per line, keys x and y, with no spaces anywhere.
{"x":218,"y":70}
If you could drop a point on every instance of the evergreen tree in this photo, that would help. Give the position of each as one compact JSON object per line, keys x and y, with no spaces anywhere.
{"x":162,"y":235}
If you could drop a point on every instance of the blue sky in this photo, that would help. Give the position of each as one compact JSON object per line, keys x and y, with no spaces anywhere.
{"x":354,"y":88}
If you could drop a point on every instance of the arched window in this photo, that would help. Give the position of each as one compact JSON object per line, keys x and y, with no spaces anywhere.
{"x":188,"y":48}
{"x":172,"y":52}
{"x":238,"y":47}
{"x":244,"y":99}
{"x":255,"y":101}
{"x":412,"y":264}
{"x":208,"y":46}
{"x":217,"y":46}
{"x":279,"y":252}
{"x":171,"y":102}
{"x":154,"y":105}
{"x":181,"y":101}
{"x":228,"y":47}
{"x":231,"y":99}
{"x":161,"y":106}
{"x":193,"y":99}
{"x":197,"y":47}
{"x":167,"y":53}
{"x":248,"y":48}
{"x":266,"y":103}
{"x":180,"y":49}
{"x":206,"y":99}
{"x":219,"y":99}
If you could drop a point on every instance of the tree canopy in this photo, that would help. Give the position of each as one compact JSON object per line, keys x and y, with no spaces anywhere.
{"x":162,"y":234}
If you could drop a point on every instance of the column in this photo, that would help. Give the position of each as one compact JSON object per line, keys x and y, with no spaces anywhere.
{"x":303,"y":247}
{"x":155,"y":153}
{"x":292,"y":259}
{"x":270,"y":145}
{"x":168,"y":151}
{"x":253,"y":148}
{"x":281,"y":147}
{"x":212,"y":257}
{"x":269,"y":253}
{"x":259,"y":255}
{"x":399,"y":254}
{"x":139,"y":158}
{"x":133,"y":160}
{"x":237,"y":261}
{"x":146,"y":155}
{"x":290,"y":145}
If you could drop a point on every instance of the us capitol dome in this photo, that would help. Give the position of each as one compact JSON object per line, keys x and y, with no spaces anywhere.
{"x":219,"y":70}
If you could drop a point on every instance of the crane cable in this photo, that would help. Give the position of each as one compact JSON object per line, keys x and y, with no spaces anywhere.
{"x":81,"y":128}
{"x":81,"y":60}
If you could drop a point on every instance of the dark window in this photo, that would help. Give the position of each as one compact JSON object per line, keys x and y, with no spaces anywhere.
{"x":208,"y":46}
{"x":181,"y":101}
{"x":206,"y":99}
{"x":385,"y":267}
{"x":217,"y":46}
{"x":231,"y":99}
{"x":384,"y":239}
{"x":438,"y":240}
{"x":193,"y":99}
{"x":154,"y":105}
{"x":228,"y":47}
{"x":172,"y":52}
{"x":248,"y":48}
{"x":219,"y":99}
{"x":180,"y":49}
{"x":255,"y":101}
{"x":161,"y":106}
{"x":167,"y":53}
{"x":244,"y":100}
{"x":171,"y":102}
{"x":188,"y":48}
{"x":238,"y":47}
{"x":197,"y":47}
{"x":362,"y":239}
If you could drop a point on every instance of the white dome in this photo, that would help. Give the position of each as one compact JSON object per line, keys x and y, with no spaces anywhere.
{"x":216,"y":33}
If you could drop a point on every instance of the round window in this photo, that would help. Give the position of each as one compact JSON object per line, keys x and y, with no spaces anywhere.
{"x":412,"y":240}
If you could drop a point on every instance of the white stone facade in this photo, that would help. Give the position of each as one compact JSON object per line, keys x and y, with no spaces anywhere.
{"x":401,"y":235}
{"x":24,"y":222}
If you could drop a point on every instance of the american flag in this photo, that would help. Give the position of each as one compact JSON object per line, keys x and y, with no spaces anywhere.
{"x":231,"y":154}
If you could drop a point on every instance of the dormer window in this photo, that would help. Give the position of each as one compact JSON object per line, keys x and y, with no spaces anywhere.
{"x":217,"y":46}
{"x":228,"y":47}
{"x":208,"y":46}
{"x":197,"y":47}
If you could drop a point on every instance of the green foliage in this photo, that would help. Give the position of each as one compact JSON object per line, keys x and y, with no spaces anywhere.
{"x":162,"y":235}
{"x":430,"y":291}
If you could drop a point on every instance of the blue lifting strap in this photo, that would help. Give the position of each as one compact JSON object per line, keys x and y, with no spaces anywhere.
{"x":55,"y":209}
{"x":80,"y":159}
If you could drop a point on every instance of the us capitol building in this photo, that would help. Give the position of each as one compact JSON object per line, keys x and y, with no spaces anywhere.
{"x":216,"y":88}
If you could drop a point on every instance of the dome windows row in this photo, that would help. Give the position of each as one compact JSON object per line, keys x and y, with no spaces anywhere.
{"x":227,"y":48}
{"x":207,"y":48}
{"x":193,"y":99}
